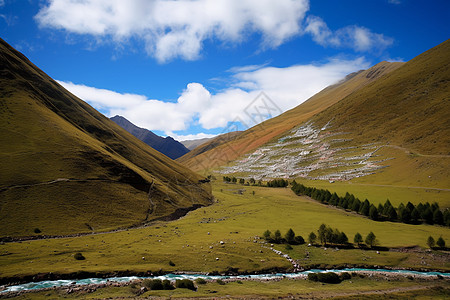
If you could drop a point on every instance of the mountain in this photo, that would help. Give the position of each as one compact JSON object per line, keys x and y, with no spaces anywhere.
{"x":265,"y":132}
{"x":67,"y":169}
{"x":192,"y":144}
{"x":395,"y":129}
{"x":209,"y":145}
{"x":167,"y":146}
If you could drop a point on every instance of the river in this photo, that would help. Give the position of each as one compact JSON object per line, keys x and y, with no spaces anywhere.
{"x":172,"y":277}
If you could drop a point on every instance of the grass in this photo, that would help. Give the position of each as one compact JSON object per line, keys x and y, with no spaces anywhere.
{"x":49,"y":134}
{"x":192,"y":243}
{"x":350,"y":289}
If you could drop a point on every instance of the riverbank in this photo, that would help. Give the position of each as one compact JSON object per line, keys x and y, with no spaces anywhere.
{"x":379,"y":280}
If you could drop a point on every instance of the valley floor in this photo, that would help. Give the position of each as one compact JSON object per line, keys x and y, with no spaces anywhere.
{"x":225,"y":237}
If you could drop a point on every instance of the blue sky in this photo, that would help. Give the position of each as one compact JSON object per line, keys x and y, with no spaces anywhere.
{"x":189,"y":68}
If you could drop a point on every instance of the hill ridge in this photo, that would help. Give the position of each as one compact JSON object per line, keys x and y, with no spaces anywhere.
{"x":49,"y":134}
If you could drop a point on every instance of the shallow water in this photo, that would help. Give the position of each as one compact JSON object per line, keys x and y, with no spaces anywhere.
{"x":173,"y":277}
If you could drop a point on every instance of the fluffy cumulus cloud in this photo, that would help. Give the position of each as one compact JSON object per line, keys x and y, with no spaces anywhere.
{"x":174,"y":29}
{"x":196,"y":106}
{"x":356,"y":37}
{"x":177,"y":29}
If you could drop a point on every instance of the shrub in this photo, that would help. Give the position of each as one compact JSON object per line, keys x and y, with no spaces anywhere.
{"x":220,"y":282}
{"x":185,"y":284}
{"x":79,"y":256}
{"x":171,"y":263}
{"x":200,"y":281}
{"x":313,"y":277}
{"x":240,"y":282}
{"x":155,"y":284}
{"x":167,"y":285}
{"x":430,"y":242}
{"x":37,"y":230}
{"x":329,"y":277}
{"x":345,"y":276}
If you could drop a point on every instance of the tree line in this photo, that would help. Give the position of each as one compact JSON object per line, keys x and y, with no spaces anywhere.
{"x":253,"y":182}
{"x":325,"y":236}
{"x":409,"y":213}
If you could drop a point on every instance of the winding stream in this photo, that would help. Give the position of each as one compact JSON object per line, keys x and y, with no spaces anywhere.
{"x":172,"y":277}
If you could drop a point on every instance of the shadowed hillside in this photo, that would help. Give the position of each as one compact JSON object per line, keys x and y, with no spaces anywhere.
{"x":66,"y":168}
{"x":261,"y":134}
{"x":167,"y":146}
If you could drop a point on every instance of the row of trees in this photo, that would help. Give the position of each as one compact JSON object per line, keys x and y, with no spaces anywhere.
{"x":409,"y":213}
{"x":289,"y":238}
{"x":253,"y":182}
{"x":325,"y":235}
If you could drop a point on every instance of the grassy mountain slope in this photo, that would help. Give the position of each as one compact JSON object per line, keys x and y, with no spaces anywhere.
{"x":395,"y":129}
{"x":66,"y":168}
{"x":209,"y":145}
{"x":408,"y":111}
{"x":268,"y":130}
{"x":409,"y":107}
{"x":167,"y":146}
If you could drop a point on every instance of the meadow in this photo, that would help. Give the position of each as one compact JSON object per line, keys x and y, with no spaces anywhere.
{"x":224,"y":236}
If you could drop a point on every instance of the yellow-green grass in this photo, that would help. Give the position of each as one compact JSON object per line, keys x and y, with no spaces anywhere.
{"x":49,"y":136}
{"x":235,"y":219}
{"x":356,"y":287}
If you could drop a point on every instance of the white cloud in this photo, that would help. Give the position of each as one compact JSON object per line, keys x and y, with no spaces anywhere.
{"x":173,"y":29}
{"x":356,"y":37}
{"x":287,"y":88}
{"x":189,"y":137}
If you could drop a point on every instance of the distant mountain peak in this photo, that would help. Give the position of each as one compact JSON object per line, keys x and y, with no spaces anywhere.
{"x":166,"y":145}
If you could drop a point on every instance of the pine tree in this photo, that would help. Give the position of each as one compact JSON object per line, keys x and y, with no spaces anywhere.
{"x":430,"y":242}
{"x":358,"y":238}
{"x":312,"y":238}
{"x":371,"y":239}
{"x":290,"y":236}
{"x":440,"y":242}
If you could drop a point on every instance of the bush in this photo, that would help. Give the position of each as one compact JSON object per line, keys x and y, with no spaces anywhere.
{"x":185,"y":284}
{"x":329,"y":277}
{"x":155,"y":284}
{"x":345,"y":276}
{"x":313,"y":277}
{"x":171,"y":263}
{"x":37,"y":230}
{"x":79,"y":256}
{"x":167,"y":285}
{"x":200,"y":281}
{"x":220,"y":282}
